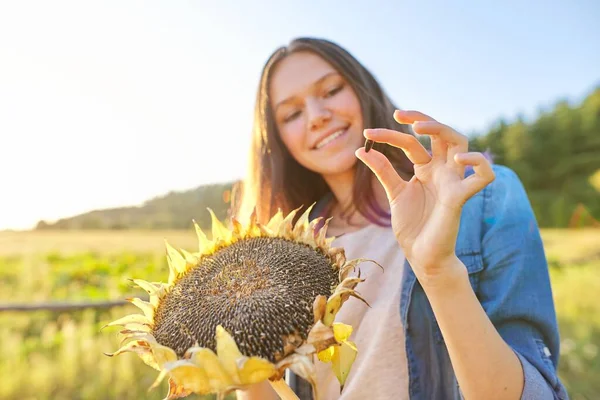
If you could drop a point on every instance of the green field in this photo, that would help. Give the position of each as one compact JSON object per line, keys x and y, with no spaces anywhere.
{"x":52,"y":355}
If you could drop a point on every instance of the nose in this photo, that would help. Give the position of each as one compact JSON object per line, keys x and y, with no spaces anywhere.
{"x":317,"y":114}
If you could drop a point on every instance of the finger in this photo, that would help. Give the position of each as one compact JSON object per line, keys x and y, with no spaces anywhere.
{"x":484,"y":174}
{"x":411,"y":146}
{"x":439,"y":148}
{"x":383,"y":170}
{"x":410,"y":116}
{"x":456,"y":143}
{"x":441,"y":130}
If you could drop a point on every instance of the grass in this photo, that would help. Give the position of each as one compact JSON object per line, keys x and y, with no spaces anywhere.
{"x":574,"y":257}
{"x":47,"y":355}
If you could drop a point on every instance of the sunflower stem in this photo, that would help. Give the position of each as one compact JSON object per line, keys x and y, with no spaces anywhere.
{"x":283,"y":390}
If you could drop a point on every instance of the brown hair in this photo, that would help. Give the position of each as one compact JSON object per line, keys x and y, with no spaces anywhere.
{"x":276,"y":180}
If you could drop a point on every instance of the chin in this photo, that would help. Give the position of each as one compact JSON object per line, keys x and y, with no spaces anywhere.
{"x":338,"y":164}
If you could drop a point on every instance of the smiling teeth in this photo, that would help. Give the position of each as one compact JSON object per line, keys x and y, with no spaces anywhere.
{"x":329,"y":138}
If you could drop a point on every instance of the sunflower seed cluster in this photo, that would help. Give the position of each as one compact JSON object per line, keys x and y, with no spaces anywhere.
{"x":260,"y":289}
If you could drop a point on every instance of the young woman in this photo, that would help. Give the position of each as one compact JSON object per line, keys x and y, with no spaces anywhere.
{"x":464,"y":306}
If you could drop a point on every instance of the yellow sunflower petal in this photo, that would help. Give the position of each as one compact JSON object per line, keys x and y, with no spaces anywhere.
{"x":286,"y":227}
{"x":322,"y":235}
{"x":141,"y":348}
{"x":139,"y":328}
{"x":176,"y":391}
{"x":265,"y":231}
{"x":350,"y":282}
{"x":156,"y":290}
{"x":319,"y":307}
{"x":129,"y":319}
{"x":219,"y":231}
{"x":190,"y":258}
{"x":342,"y":360}
{"x":326,"y":355}
{"x":228,"y":353}
{"x":329,"y":241}
{"x":320,"y":337}
{"x":303,"y":367}
{"x":149,"y":287}
{"x":163,"y":354}
{"x":218,"y":378}
{"x":177,"y":264}
{"x":254,"y":370}
{"x":309,"y":237}
{"x":133,"y":346}
{"x":252,"y":229}
{"x":204,"y":245}
{"x":275,"y":221}
{"x":351,"y":265}
{"x":136,"y":335}
{"x":341,"y":332}
{"x":339,"y":257}
{"x":185,"y":375}
{"x":145,"y":306}
{"x":335,"y":301}
{"x":303,"y":222}
{"x":238,"y":230}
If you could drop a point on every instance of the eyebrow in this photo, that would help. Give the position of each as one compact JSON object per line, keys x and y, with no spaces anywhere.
{"x":318,"y":81}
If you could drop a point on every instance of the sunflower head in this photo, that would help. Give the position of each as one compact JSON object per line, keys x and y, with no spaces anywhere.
{"x":250,"y":303}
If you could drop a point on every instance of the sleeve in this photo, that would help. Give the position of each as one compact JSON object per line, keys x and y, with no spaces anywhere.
{"x":514,"y":285}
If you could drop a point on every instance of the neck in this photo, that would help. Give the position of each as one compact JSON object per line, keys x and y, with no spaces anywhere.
{"x":346,"y":217}
{"x":341,"y":186}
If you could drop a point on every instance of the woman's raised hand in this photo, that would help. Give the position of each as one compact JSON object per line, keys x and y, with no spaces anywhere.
{"x":426,"y":210}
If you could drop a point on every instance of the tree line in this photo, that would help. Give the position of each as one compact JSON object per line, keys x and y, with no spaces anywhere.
{"x":557,"y":156}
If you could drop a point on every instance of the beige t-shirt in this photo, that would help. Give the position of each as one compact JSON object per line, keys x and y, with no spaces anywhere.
{"x":380,"y":369}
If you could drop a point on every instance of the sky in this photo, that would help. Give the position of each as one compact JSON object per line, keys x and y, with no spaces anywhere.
{"x":108,"y":104}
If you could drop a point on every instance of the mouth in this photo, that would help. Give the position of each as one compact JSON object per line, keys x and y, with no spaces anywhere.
{"x":330,"y":138}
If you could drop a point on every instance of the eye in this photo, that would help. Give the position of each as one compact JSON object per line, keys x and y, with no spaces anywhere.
{"x":334,"y":90}
{"x":291,"y":116}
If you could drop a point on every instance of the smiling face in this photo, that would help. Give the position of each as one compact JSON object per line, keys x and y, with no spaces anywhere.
{"x":317,"y":113}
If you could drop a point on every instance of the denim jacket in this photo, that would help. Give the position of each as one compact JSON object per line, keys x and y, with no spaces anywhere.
{"x":499,"y":242}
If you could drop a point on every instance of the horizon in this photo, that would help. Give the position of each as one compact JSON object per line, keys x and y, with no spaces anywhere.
{"x":109,"y":105}
{"x":573,"y":101}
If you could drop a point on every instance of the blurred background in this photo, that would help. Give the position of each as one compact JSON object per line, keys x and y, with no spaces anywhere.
{"x":121,"y":121}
